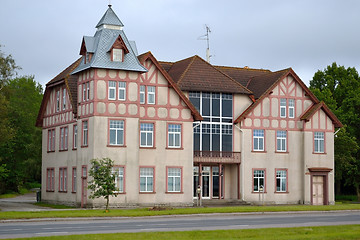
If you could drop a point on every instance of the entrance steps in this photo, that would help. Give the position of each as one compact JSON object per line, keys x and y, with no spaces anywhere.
{"x":222,"y":202}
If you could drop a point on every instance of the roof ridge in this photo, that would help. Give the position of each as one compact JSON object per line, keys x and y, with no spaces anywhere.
{"x":187,"y":68}
{"x":248,"y":90}
{"x":244,"y":68}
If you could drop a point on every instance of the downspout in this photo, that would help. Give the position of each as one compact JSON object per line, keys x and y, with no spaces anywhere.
{"x":241,"y":159}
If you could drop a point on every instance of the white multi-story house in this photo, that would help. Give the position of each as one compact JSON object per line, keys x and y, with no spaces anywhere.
{"x":240,"y":134}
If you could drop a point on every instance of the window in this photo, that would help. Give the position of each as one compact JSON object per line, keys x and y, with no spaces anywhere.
{"x":146,"y":179}
{"x":64,"y":138}
{"x":74,"y":180}
{"x":63,"y":179}
{"x":75,"y":137}
{"x":142,"y":94}
{"x":146,"y":134}
{"x":122,"y":91}
{"x":215,"y":133}
{"x":174,"y":179}
{"x":281,"y":181}
{"x":151,"y":95}
{"x":117,"y":55}
{"x":112,"y":90}
{"x":259,"y":180}
{"x":283,"y":107}
{"x":281,"y":141}
{"x":291,"y":108}
{"x":51,"y":140}
{"x":57,"y":100}
{"x":258,"y":140}
{"x":84,"y":92}
{"x":319,"y":142}
{"x":64,"y":98}
{"x":50,"y":177}
{"x":85,"y":133}
{"x":118,"y":172}
{"x":116,"y":130}
{"x":87,"y":91}
{"x":174,"y":135}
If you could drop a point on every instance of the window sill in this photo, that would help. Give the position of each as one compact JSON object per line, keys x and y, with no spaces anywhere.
{"x":282,"y":152}
{"x":174,"y":148}
{"x":74,"y":149}
{"x":51,"y":151}
{"x":319,"y":153}
{"x":259,"y":151}
{"x":258,"y":192}
{"x":84,"y":146}
{"x":62,"y":191}
{"x":116,"y":146}
{"x":147,"y":192}
{"x":147,"y":147}
{"x":63,"y":150}
{"x":50,"y":191}
{"x":174,"y":192}
{"x":73,"y":192}
{"x":119,"y":193}
{"x":281,"y":192}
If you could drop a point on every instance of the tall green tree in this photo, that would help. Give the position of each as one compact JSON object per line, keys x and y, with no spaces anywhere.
{"x":102,"y":183}
{"x":339,"y":88}
{"x":7,"y":68}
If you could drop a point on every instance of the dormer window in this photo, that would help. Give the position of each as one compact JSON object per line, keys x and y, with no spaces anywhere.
{"x":117,"y":55}
{"x":87,"y":57}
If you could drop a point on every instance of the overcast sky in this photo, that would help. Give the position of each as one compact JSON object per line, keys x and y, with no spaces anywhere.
{"x":44,"y":37}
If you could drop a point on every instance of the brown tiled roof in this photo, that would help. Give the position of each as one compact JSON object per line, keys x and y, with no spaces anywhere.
{"x":61,"y":76}
{"x":314,"y":108}
{"x":242,"y":75}
{"x":195,"y":74}
{"x":166,"y":65}
{"x":142,"y":58}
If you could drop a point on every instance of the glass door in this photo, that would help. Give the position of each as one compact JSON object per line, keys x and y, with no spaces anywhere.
{"x":206,"y":182}
{"x":215,"y":182}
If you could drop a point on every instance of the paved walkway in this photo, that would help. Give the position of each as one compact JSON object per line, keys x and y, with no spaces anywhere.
{"x":21,"y":203}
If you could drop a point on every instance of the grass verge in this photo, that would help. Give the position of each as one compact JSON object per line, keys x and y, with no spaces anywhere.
{"x":14,"y":194}
{"x":176,"y":211}
{"x":327,"y":232}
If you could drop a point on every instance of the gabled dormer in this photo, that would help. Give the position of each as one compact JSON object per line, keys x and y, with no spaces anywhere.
{"x":117,"y":49}
{"x":87,"y":49}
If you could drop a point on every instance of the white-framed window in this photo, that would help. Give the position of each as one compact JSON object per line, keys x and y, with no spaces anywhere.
{"x":146,"y":179}
{"x":112,"y":90}
{"x":259,"y":181}
{"x":84,"y":92}
{"x":146,"y":134}
{"x":174,"y":179}
{"x":283,"y":107}
{"x":151,"y":95}
{"x":258,"y":140}
{"x":281,"y":141}
{"x":74,"y":177}
{"x":142,"y":94}
{"x":63,"y":179}
{"x":174,"y":135}
{"x":51,"y":140}
{"x":319,"y":138}
{"x":64,"y":98}
{"x":50,"y":179}
{"x":64,"y":138}
{"x":122,"y":91}
{"x":87,"y":91}
{"x":85,"y":133}
{"x":291,"y":103}
{"x":116,"y":130}
{"x":117,"y":55}
{"x":57,"y":100}
{"x":75,"y":133}
{"x":281,"y":176}
{"x":118,"y":172}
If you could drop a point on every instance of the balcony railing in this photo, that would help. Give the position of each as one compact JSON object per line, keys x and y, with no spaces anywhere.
{"x":217,"y":157}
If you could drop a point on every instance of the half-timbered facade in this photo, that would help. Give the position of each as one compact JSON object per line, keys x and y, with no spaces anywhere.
{"x":239,"y":134}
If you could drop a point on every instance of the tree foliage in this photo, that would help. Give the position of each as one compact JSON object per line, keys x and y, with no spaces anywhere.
{"x":339,"y":88}
{"x":103,"y":181}
{"x":20,"y":140}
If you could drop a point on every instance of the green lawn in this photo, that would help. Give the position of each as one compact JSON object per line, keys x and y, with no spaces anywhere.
{"x":328,"y":232}
{"x":176,"y":211}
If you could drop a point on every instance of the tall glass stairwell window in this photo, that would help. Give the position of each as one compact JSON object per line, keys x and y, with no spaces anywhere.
{"x":214,"y":133}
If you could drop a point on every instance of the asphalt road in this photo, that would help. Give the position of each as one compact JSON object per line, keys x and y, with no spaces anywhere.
{"x":51,"y":227}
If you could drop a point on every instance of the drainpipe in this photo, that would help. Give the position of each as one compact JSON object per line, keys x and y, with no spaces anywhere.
{"x":241,"y":172}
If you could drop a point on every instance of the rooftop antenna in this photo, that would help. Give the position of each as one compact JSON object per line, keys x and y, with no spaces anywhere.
{"x":206,"y":37}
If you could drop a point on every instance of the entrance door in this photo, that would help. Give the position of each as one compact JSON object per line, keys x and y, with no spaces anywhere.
{"x":205,"y":182}
{"x":83,"y":186}
{"x":318,"y":190}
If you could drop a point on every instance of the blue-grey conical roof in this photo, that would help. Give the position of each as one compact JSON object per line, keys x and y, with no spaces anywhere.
{"x":110,"y":18}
